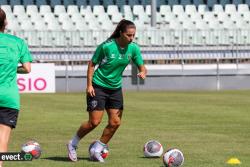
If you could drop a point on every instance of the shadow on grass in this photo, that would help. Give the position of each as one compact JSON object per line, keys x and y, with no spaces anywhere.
{"x":150,"y":157}
{"x":64,"y":159}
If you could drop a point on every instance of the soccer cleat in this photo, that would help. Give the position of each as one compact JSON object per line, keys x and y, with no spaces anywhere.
{"x":72,"y":152}
{"x":96,"y":156}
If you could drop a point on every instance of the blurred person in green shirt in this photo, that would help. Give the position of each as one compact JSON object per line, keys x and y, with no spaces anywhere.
{"x":13,"y":51}
{"x":104,"y":86}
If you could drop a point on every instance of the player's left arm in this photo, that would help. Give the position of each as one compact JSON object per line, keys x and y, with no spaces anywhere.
{"x":25,"y":68}
{"x":142,"y":71}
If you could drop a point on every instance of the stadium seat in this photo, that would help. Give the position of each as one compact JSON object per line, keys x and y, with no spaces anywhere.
{"x":6,"y":8}
{"x":68,"y":2}
{"x":138,"y":10}
{"x":15,"y":2}
{"x":165,"y":9}
{"x":218,"y":8}
{"x":107,"y":25}
{"x":154,"y":36}
{"x":141,"y":37}
{"x":116,"y":18}
{"x":76,"y":18}
{"x":28,"y":2}
{"x":183,"y":18}
{"x":80,"y":26}
{"x":208,"y":16}
{"x":74,"y":39}
{"x":236,"y":17}
{"x":246,"y":16}
{"x":41,"y":2}
{"x":202,"y":9}
{"x":243,"y":8}
{"x":230,"y":8}
{"x":190,"y":9}
{"x":18,"y":10}
{"x":13,"y":25}
{"x":68,"y":25}
{"x":87,"y":38}
{"x":40,"y":26}
{"x":3,"y":2}
{"x":72,"y":9}
{"x":62,"y":17}
{"x":222,"y":16}
{"x":195,"y":17}
{"x":36,"y":17}
{"x":112,"y":10}
{"x":80,"y":3}
{"x":49,"y":18}
{"x":178,"y":9}
{"x":31,"y":9}
{"x":58,"y":9}
{"x":85,"y":10}
{"x":98,"y":10}
{"x":169,"y":17}
{"x":44,"y":9}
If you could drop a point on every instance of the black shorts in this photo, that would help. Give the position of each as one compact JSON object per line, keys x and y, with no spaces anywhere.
{"x":8,"y":116}
{"x":105,"y":99}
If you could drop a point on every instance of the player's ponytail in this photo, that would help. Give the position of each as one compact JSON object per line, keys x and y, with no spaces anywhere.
{"x":122,"y":27}
{"x":2,"y":19}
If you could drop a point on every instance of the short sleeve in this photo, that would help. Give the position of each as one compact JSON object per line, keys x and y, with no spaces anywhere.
{"x":25,"y":55}
{"x":98,"y":55}
{"x":137,"y":57}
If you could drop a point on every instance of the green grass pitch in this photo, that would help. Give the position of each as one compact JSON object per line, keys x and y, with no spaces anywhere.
{"x":208,"y":127}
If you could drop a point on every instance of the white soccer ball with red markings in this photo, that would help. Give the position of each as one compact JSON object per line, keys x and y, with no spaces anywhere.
{"x":104,"y":153}
{"x":32,"y":147}
{"x":152,"y":148}
{"x":173,"y":158}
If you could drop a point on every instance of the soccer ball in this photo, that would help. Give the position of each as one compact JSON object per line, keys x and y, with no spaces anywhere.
{"x":104,"y":153}
{"x":173,"y":158}
{"x":33,"y":148}
{"x":152,"y":148}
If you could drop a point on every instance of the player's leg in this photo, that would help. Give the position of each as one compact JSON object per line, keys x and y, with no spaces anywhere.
{"x":4,"y":138}
{"x":95,"y":118}
{"x":95,"y":107}
{"x":114,"y":108}
{"x":8,"y":120}
{"x":114,"y":122}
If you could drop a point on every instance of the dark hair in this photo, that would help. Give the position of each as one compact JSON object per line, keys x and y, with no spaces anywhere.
{"x":2,"y":18}
{"x":122,"y":27}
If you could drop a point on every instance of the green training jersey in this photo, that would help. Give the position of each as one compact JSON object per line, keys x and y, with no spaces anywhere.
{"x":112,"y":61}
{"x":13,"y":50}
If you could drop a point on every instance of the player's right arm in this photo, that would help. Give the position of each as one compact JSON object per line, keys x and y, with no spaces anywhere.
{"x":96,"y":59}
{"x":90,"y":90}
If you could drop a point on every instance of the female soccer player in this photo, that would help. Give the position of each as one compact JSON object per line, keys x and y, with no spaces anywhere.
{"x":13,"y":50}
{"x":104,"y":84}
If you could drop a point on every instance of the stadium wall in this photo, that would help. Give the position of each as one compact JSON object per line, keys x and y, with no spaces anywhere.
{"x":167,"y":77}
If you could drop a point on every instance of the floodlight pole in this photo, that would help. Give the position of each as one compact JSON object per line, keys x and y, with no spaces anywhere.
{"x":153,"y":13}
